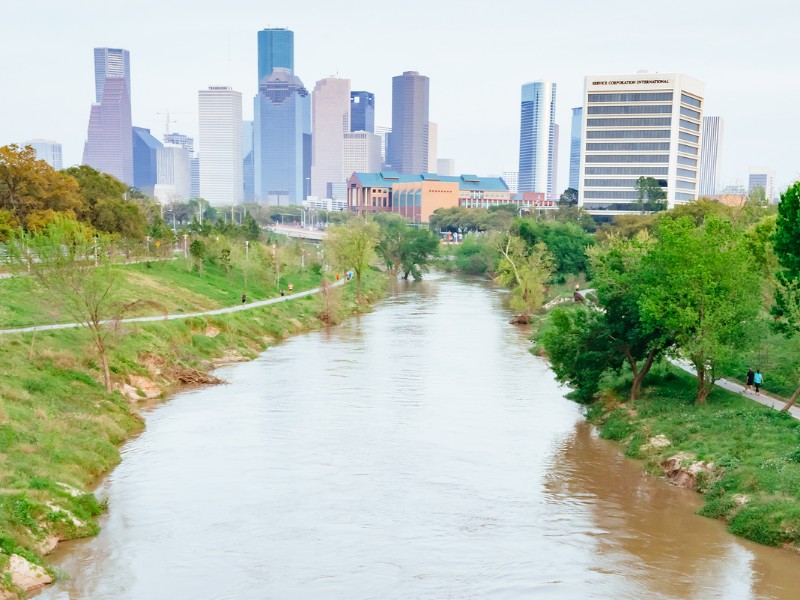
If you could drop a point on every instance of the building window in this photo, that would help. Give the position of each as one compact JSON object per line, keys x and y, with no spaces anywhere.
{"x":690,"y":101}
{"x":630,"y":146}
{"x":683,"y":196}
{"x":645,"y":171}
{"x":602,"y":194}
{"x":687,"y":173}
{"x":606,"y":134}
{"x":628,"y":158}
{"x":687,"y":149}
{"x":632,"y":97}
{"x":688,"y":112}
{"x":685,"y":185}
{"x":689,"y":125}
{"x":634,"y":109}
{"x":689,"y":137}
{"x":631,"y":122}
{"x":629,"y":183}
{"x":685,"y":160}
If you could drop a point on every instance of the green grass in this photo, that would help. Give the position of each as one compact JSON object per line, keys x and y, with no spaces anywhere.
{"x":756,"y":451}
{"x":57,"y":423}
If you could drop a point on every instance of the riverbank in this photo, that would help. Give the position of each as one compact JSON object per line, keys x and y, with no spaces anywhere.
{"x":60,"y":431}
{"x":743,"y":457}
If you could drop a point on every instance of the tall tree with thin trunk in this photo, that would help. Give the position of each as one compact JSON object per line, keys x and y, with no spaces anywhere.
{"x":352,"y":246}
{"x":70,"y":263}
{"x":700,"y":286}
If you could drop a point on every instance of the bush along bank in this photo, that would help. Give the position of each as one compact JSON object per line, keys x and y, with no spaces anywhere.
{"x":743,"y":457}
{"x":60,"y":430}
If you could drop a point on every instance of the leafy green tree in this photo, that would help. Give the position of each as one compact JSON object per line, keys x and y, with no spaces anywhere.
{"x":525,"y":271}
{"x":699,"y":287}
{"x":567,"y":242}
{"x":352,"y":246}
{"x":786,"y":244}
{"x":569,"y":197}
{"x":577,"y":341}
{"x":617,"y":274}
{"x":652,"y":196}
{"x":250,"y":228}
{"x":418,"y":246}
{"x":95,"y":185}
{"x":392,"y":229}
{"x":475,"y":255}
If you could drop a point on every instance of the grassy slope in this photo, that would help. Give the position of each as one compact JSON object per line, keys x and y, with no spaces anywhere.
{"x":756,"y":450}
{"x":57,"y":424}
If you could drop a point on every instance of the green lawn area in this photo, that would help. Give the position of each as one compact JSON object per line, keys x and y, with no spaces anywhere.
{"x":756,"y":451}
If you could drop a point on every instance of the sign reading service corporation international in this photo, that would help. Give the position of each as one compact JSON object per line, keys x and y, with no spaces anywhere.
{"x":633,"y":82}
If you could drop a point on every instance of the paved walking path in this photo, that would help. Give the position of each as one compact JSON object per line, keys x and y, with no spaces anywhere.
{"x":738,"y":388}
{"x":219,"y":311}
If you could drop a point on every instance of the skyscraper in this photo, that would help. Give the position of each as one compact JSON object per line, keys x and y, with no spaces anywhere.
{"x":220,"y":109}
{"x":710,"y":154}
{"x":330,"y":120}
{"x":110,"y":62}
{"x":537,"y":138}
{"x":575,"y":140}
{"x":408,"y":144}
{"x":48,"y":151}
{"x":186,"y":142}
{"x":362,"y":111}
{"x":446,"y":167}
{"x":275,"y":50}
{"x":282,"y":139}
{"x":109,"y":140}
{"x":383,"y":132}
{"x":362,"y":153}
{"x":145,"y":160}
{"x":512,"y":180}
{"x":639,"y":125}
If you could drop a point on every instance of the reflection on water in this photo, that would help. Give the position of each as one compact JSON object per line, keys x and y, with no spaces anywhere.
{"x":416,"y":452}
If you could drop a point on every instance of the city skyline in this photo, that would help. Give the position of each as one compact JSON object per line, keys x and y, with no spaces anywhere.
{"x":167,"y":76}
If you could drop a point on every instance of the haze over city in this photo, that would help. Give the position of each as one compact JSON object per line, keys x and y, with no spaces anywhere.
{"x":476,"y":55}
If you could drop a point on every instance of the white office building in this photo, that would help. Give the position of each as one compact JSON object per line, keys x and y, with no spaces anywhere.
{"x":538,"y":139}
{"x":512,"y":180}
{"x":384,"y":132}
{"x":48,"y":151}
{"x":173,"y":179}
{"x":763,"y":177}
{"x":446,"y":167}
{"x":330,"y":120}
{"x":639,"y":125}
{"x":710,"y":154}
{"x":362,"y":153}
{"x":433,"y":146}
{"x":221,"y":146}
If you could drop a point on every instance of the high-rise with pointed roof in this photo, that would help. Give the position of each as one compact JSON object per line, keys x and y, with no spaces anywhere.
{"x":109,"y":140}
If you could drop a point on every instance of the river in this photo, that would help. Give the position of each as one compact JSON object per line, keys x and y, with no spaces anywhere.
{"x":419,"y":451}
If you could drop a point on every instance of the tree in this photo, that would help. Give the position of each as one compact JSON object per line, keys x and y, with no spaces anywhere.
{"x":416,"y":250}
{"x":569,"y":197}
{"x":250,"y":228}
{"x":577,"y":343}
{"x":69,"y":260}
{"x":786,"y":308}
{"x":525,"y":270}
{"x":652,"y":196}
{"x":352,"y":246}
{"x":698,"y":286}
{"x":617,"y":274}
{"x":28,"y":184}
{"x":566,"y":241}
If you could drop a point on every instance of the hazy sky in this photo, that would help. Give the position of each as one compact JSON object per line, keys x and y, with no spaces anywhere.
{"x":476,"y":53}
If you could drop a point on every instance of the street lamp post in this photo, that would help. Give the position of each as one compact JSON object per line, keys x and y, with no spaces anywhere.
{"x":185,"y":246}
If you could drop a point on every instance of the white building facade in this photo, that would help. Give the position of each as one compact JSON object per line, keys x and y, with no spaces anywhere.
{"x":330,"y":121}
{"x":433,"y":147}
{"x":48,"y":151}
{"x":174,"y":179}
{"x":710,"y":154}
{"x":538,"y":139}
{"x":512,"y":180}
{"x":362,"y":153}
{"x":639,"y":125}
{"x":220,"y":144}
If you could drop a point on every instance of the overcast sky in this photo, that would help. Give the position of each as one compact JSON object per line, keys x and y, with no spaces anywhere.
{"x":476,"y":53}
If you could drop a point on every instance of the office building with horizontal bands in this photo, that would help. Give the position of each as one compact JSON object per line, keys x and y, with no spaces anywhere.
{"x":220,"y":110}
{"x":639,"y":125}
{"x":762,"y":177}
{"x":417,"y":196}
{"x":48,"y":151}
{"x":407,"y":150}
{"x":330,"y":120}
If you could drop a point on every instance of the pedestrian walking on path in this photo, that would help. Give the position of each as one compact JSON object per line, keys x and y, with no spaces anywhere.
{"x":750,"y":377}
{"x":758,"y":379}
{"x":244,"y":298}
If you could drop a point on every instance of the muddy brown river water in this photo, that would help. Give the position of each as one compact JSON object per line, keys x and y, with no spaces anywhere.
{"x":419,"y":451}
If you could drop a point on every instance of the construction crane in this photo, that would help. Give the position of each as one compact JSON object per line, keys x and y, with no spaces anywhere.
{"x":168,"y":120}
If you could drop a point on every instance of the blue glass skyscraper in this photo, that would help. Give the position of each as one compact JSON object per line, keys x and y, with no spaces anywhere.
{"x":145,"y":150}
{"x":282,"y":139}
{"x":575,"y":148}
{"x":275,"y":50}
{"x":362,"y":111}
{"x":537,"y":138}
